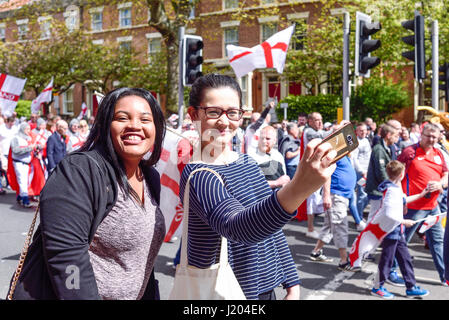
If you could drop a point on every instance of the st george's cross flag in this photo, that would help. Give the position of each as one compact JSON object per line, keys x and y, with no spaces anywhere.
{"x":269,"y":54}
{"x":83,"y":111}
{"x":43,"y":97}
{"x":382,"y":223}
{"x":430,"y":221}
{"x":10,"y":90}
{"x":175,"y":155}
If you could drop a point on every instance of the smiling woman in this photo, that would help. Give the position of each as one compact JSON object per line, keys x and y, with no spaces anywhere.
{"x":244,"y":209}
{"x":101,"y":227}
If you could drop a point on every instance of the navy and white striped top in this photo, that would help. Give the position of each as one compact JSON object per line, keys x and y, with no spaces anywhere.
{"x":249,"y":215}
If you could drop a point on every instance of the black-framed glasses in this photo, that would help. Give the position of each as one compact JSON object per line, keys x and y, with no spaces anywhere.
{"x":216,"y":112}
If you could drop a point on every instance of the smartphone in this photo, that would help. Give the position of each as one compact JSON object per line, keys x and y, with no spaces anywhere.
{"x":344,"y":140}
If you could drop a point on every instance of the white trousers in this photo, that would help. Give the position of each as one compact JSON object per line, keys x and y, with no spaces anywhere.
{"x":22,"y":170}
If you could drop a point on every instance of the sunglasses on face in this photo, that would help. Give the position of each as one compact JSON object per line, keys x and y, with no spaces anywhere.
{"x":216,"y":112}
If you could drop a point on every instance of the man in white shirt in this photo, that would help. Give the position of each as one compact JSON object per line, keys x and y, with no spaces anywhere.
{"x":315,"y":201}
{"x":360,"y":160}
{"x":258,"y":122}
{"x":7,"y":131}
{"x":415,"y":133}
{"x":270,"y":161}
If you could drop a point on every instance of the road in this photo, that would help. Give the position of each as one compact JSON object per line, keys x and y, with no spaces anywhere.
{"x":320,"y":281}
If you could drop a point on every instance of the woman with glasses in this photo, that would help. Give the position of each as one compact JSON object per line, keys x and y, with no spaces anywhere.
{"x":244,"y":210}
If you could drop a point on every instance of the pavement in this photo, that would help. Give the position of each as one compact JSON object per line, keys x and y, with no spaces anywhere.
{"x":320,"y":281}
{"x":323,"y":281}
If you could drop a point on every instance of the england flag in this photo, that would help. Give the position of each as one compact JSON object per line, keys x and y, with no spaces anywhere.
{"x":44,"y":97}
{"x":385,"y":220}
{"x":10,"y":90}
{"x":269,"y":54}
{"x":175,"y":155}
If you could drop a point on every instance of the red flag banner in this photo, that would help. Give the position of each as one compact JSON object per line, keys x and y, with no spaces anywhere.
{"x":175,"y":155}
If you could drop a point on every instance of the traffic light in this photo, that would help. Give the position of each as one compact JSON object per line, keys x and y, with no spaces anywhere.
{"x":417,"y":40}
{"x":364,"y":45}
{"x":444,"y":78}
{"x":192,"y":50}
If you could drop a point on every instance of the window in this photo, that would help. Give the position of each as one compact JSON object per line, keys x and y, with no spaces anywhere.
{"x":2,"y":34}
{"x":268,"y":30}
{"x":125,"y":46}
{"x":231,"y":36}
{"x":125,"y":17}
{"x":71,"y":16}
{"x":244,"y":87}
{"x":299,"y":36}
{"x":231,"y":4}
{"x":22,"y":29}
{"x":125,"y":43}
{"x":45,"y":25}
{"x":68,"y":101}
{"x":97,"y":21}
{"x":154,"y":47}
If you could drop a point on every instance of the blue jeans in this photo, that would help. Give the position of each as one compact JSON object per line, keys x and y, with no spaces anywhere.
{"x":442,"y":201}
{"x":291,"y":171}
{"x":362,"y":196}
{"x":434,"y":236}
{"x":353,"y":209}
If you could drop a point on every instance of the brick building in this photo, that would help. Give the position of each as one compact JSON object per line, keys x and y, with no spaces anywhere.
{"x":219,"y":22}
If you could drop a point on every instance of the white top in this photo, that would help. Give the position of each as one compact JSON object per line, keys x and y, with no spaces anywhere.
{"x":262,"y":157}
{"x":6,"y":135}
{"x":360,"y":156}
{"x":252,"y":138}
{"x":415,"y":137}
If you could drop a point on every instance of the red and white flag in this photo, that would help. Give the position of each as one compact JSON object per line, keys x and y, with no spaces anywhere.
{"x":430,"y":221}
{"x":382,"y":223}
{"x":175,"y":155}
{"x":269,"y":54}
{"x":43,"y":97}
{"x":10,"y":90}
{"x":83,"y":111}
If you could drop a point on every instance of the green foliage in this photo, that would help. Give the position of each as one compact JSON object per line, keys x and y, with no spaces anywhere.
{"x":378,"y":99}
{"x":326,"y":104}
{"x":23,"y":108}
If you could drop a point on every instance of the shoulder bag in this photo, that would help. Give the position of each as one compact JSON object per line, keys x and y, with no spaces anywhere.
{"x":217,"y":282}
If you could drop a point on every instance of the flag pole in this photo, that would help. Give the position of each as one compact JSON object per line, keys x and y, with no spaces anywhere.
{"x":441,"y":214}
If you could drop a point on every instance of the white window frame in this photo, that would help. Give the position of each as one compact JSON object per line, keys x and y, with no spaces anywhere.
{"x":98,"y":42}
{"x":93,"y":12}
{"x":154,"y":36}
{"x":225,"y":42}
{"x":127,"y":39}
{"x":268,"y":25}
{"x":65,"y":101}
{"x":122,"y":7}
{"x":22,"y":29}
{"x":71,"y":18}
{"x":232,"y":6}
{"x":2,"y":32}
{"x":45,"y":27}
{"x":302,"y":17}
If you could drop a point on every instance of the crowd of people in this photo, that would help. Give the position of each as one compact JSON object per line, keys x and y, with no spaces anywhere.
{"x":357,"y":186}
{"x":31,"y":149}
{"x":99,"y":209}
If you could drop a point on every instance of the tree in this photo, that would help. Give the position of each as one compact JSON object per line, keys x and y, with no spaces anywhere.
{"x":378,"y":98}
{"x":167,"y":17}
